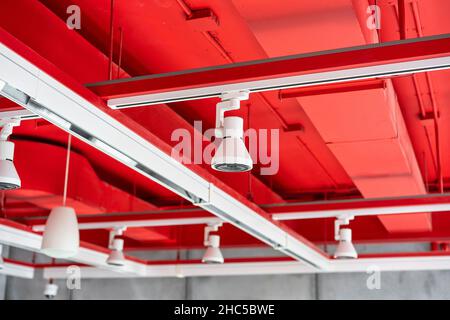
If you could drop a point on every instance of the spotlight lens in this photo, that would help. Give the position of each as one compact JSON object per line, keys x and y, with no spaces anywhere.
{"x":8,"y":186}
{"x":9,"y":179}
{"x":232,"y":167}
{"x":232,"y":156}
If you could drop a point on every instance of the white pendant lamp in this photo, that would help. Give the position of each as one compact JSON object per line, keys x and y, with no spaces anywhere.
{"x":61,"y":238}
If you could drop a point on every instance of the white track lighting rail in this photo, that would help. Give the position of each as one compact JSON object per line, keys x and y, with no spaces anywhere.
{"x":362,"y":265}
{"x":22,"y":114}
{"x":140,"y":223}
{"x":27,"y":240}
{"x":17,"y":270}
{"x":375,"y":211}
{"x":333,"y":66}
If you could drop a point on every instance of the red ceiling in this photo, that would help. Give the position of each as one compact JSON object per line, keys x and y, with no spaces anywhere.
{"x":346,"y":136}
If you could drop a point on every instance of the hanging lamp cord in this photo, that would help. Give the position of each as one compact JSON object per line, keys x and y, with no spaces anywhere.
{"x":66,"y":176}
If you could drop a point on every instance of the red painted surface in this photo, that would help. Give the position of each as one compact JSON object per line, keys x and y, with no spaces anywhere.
{"x":346,"y":137}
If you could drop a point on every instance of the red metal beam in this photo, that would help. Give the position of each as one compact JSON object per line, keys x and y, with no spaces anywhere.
{"x":359,"y":204}
{"x":332,"y":88}
{"x":319,"y":206}
{"x":402,"y":18}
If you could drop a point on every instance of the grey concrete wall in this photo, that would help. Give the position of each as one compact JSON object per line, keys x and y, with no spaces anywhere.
{"x":2,"y":287}
{"x":394,"y":285}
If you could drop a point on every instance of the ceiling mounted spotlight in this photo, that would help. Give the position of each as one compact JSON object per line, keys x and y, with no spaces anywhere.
{"x":116,"y":257}
{"x":9,"y":178}
{"x":231,"y":155}
{"x":50,"y":290}
{"x":345,"y":248}
{"x":61,"y":238}
{"x":212,"y":255}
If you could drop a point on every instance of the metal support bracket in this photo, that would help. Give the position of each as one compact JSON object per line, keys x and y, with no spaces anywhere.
{"x":341,"y":221}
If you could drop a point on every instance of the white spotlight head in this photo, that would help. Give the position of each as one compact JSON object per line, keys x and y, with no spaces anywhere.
{"x":345,"y":248}
{"x":9,"y":178}
{"x":51,"y":290}
{"x":116,"y":257}
{"x":232,"y":155}
{"x":61,"y":236}
{"x":213,"y":255}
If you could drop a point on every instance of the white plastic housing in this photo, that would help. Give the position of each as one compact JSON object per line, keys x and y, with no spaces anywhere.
{"x":345,"y":248}
{"x":9,"y":178}
{"x":6,"y":150}
{"x":51,"y":290}
{"x":214,"y":241}
{"x":213,"y":254}
{"x":116,"y":257}
{"x":61,"y":236}
{"x":232,"y":155}
{"x":233,"y":127}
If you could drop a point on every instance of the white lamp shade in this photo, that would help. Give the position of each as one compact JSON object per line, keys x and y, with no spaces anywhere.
{"x":213,"y":256}
{"x":213,"y":253}
{"x":232,"y":156}
{"x":9,"y":178}
{"x":61,"y":236}
{"x":345,"y":248}
{"x":116,"y":258}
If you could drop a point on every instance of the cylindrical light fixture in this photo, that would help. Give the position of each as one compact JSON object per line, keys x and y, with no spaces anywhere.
{"x":116,"y":257}
{"x":232,"y":155}
{"x":61,"y":236}
{"x":213,"y":255}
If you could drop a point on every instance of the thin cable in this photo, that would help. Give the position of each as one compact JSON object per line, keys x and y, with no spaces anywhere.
{"x":66,"y":176}
{"x":111,"y":41}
